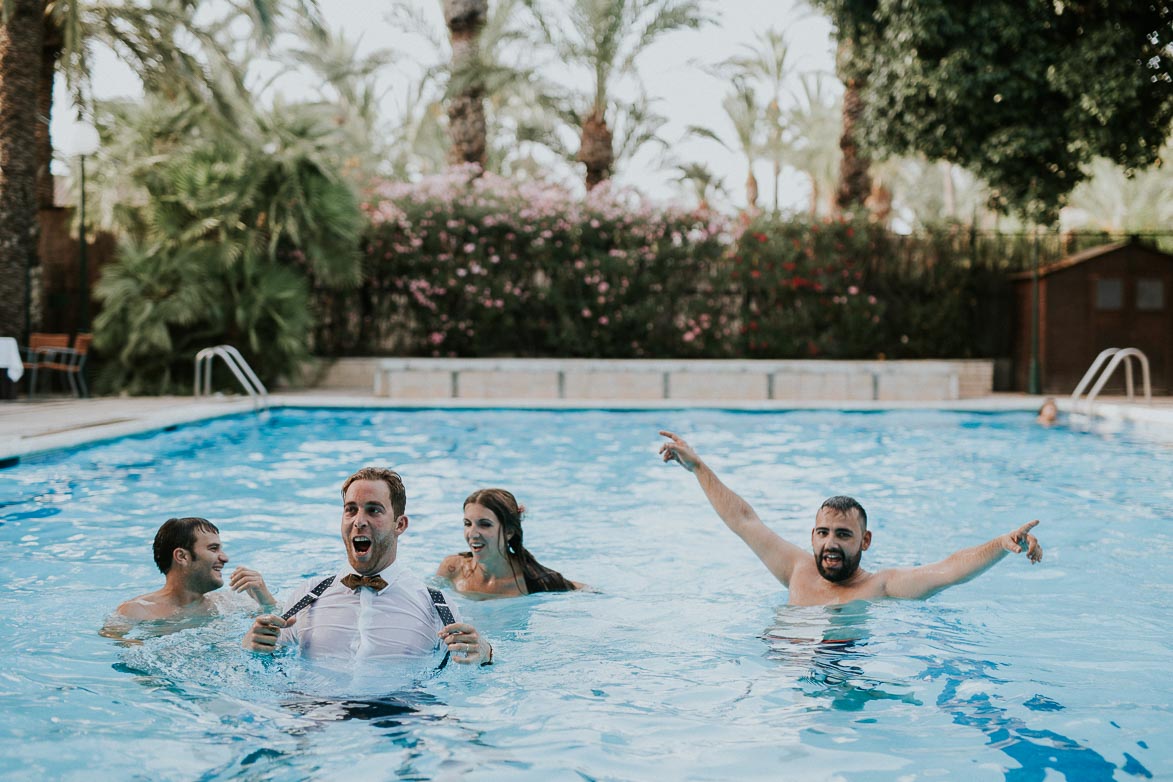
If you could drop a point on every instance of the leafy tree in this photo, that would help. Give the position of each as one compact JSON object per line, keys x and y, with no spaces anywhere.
{"x":1024,"y":94}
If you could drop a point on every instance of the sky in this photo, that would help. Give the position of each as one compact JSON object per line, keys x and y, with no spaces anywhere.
{"x":671,"y":70}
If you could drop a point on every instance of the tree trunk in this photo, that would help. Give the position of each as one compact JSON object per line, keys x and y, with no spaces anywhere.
{"x":777,"y":178}
{"x":595,"y":149}
{"x":466,"y":109}
{"x":751,"y":192}
{"x":20,"y":57}
{"x":814,"y":203}
{"x":855,"y":182}
{"x":50,"y":52}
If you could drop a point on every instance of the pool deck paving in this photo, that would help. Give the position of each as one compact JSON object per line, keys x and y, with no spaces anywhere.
{"x":52,"y":423}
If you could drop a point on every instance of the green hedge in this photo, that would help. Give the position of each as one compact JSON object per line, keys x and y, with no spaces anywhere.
{"x":466,"y":265}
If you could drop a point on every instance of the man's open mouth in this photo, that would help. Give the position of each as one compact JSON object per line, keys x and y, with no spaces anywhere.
{"x":361,"y":544}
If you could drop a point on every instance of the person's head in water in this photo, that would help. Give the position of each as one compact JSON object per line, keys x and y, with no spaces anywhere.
{"x":373,"y":505}
{"x":492,"y":529}
{"x":839,"y":538}
{"x":492,"y":523}
{"x":1048,"y":412}
{"x":188,"y":551}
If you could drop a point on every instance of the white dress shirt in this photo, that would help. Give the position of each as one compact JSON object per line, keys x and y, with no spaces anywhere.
{"x":399,"y":621}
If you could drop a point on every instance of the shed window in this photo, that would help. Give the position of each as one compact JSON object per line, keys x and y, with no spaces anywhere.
{"x":1150,"y":294}
{"x":1109,"y":294}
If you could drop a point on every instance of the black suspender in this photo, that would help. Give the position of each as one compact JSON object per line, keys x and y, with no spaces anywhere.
{"x":310,"y":597}
{"x":445,"y":617}
{"x":438,"y":602}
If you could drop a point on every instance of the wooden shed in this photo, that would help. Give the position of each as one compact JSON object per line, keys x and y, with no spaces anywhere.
{"x":1111,"y":296}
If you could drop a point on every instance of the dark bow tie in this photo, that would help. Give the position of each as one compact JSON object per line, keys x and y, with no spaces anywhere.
{"x":354,"y":581}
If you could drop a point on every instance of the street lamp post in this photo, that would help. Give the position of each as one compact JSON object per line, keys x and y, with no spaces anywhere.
{"x":82,"y":265}
{"x":1034,"y":384}
{"x":82,"y":140}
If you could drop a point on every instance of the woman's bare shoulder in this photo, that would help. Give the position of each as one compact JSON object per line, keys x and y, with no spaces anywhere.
{"x":451,"y":566}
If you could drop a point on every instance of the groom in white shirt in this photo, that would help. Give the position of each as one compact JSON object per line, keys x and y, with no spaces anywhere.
{"x":371,"y":608}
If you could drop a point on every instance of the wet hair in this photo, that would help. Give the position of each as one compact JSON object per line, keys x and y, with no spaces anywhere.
{"x":389,"y":477}
{"x":504,"y":505}
{"x":846,"y":505}
{"x":178,"y":533}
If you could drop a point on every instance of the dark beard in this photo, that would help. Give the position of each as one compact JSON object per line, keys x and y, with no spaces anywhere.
{"x":844,"y":572}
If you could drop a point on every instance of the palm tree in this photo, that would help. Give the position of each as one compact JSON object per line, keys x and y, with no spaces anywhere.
{"x":348,"y":86}
{"x":605,"y":37}
{"x":1112,"y":201}
{"x":814,"y":123}
{"x":767,"y":62}
{"x":745,"y":114}
{"x":700,"y":179}
{"x":489,"y":106}
{"x":743,"y":111}
{"x":227,"y":234}
{"x":21,"y":35}
{"x":466,"y":106}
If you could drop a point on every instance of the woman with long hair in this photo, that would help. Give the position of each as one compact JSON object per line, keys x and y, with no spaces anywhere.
{"x":497,"y":564}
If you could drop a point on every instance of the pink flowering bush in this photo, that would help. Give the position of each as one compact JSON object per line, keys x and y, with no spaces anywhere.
{"x":468,"y":265}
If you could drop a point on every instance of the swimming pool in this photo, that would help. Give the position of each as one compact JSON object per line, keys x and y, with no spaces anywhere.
{"x":685,"y":663}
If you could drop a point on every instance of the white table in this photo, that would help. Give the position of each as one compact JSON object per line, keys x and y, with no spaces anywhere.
{"x":10,"y":358}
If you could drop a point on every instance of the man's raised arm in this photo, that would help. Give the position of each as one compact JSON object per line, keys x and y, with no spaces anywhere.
{"x":779,"y":555}
{"x":957,"y":568}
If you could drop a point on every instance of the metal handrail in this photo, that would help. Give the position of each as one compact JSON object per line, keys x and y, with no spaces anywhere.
{"x":1088,"y":376}
{"x":1118,"y":356}
{"x":238,"y":366}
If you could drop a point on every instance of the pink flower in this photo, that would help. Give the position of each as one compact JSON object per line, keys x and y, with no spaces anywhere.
{"x":585,"y":312}
{"x":603,"y":321}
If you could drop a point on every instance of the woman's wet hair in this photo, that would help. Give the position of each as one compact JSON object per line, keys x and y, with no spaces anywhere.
{"x":507,"y":510}
{"x":846,"y":505}
{"x":178,"y":533}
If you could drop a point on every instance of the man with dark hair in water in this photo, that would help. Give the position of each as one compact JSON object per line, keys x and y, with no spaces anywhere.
{"x":839,"y":538}
{"x":189,"y":554}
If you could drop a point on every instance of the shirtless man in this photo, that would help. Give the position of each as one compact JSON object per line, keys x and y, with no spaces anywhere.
{"x":189,"y":554}
{"x":839,"y":538}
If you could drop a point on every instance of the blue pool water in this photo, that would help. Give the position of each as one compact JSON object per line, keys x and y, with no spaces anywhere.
{"x":684,"y":663}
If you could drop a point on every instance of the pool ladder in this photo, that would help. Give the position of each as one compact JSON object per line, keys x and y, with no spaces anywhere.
{"x":1114,"y":357}
{"x":239,"y":367}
